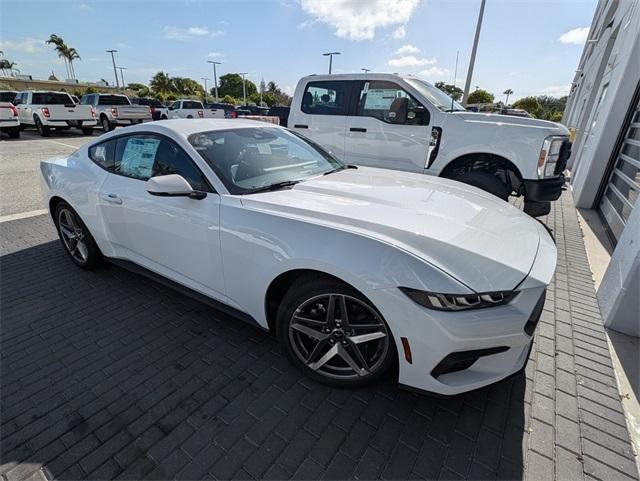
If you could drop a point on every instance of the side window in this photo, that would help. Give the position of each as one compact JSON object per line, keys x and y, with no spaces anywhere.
{"x":325,"y":98}
{"x":176,"y":105}
{"x":377,"y":96}
{"x":103,"y":154}
{"x":171,"y":159}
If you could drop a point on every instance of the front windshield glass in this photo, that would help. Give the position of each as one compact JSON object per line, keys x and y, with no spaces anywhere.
{"x":436,"y":96}
{"x":252,"y":159}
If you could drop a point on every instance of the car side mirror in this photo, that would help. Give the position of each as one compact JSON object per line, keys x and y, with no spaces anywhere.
{"x":398,"y":110}
{"x":172,"y":185}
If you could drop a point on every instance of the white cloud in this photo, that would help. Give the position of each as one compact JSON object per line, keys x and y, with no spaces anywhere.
{"x":28,"y":45}
{"x":434,"y":71}
{"x":557,"y":90}
{"x":407,"y":49}
{"x":399,"y":32}
{"x":178,"y":33}
{"x":411,"y":61}
{"x":577,"y":36}
{"x":358,"y":19}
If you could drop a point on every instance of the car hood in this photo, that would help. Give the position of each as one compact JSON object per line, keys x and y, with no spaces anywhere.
{"x":482,"y":241}
{"x":512,"y":120}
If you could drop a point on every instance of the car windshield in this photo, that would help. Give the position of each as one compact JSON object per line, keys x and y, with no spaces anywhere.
{"x":436,"y":96}
{"x":113,"y":100}
{"x":253,"y":159}
{"x":191,"y":105}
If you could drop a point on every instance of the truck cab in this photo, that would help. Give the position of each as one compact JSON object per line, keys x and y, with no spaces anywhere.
{"x":193,"y":109}
{"x":116,"y":109}
{"x":405,"y":123}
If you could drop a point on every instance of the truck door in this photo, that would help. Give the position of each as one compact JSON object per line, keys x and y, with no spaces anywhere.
{"x":378,"y":135}
{"x":322,"y":113}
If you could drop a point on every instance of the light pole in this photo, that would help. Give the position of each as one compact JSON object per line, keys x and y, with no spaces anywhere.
{"x":330,"y":55}
{"x":366,"y":70}
{"x":244,"y":90}
{"x":115,"y":72}
{"x":122,"y":76}
{"x":472,"y":61}
{"x":215,"y":77}
{"x":205,"y":88}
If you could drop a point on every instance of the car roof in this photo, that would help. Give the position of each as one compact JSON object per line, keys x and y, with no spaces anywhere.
{"x":358,"y":76}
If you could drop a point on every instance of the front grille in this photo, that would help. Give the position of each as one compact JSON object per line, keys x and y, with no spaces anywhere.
{"x":563,"y":157}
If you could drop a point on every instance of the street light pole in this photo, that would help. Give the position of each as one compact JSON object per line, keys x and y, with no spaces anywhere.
{"x":215,"y":77}
{"x":472,"y":61}
{"x":244,"y":90}
{"x":122,"y":76}
{"x":115,"y":72}
{"x":366,"y":70}
{"x":205,"y":88}
{"x":330,"y":55}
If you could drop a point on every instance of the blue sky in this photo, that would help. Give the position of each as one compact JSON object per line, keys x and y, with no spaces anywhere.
{"x":530,"y":46}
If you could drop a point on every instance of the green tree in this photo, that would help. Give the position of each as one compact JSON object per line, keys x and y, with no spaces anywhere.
{"x":227,"y":99}
{"x":136,"y":86}
{"x":161,"y":83}
{"x":231,"y":84}
{"x":279,"y":96}
{"x":90,"y":90}
{"x":530,"y":104}
{"x":480,"y":96}
{"x":454,"y":92}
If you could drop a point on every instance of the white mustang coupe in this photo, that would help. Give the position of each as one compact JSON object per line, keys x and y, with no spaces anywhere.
{"x":355,"y":269}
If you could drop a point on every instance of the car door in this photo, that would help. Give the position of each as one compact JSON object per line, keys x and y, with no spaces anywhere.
{"x":24,"y":113}
{"x":322,"y":112}
{"x":375,"y":138}
{"x":177,"y":237}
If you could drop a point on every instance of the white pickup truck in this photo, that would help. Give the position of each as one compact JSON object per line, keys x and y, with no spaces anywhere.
{"x":404,"y":123}
{"x":9,"y":122}
{"x":53,"y":110}
{"x":193,"y":109}
{"x":115,"y":109}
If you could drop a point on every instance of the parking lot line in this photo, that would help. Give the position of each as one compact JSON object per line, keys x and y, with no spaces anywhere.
{"x":62,"y":143}
{"x":22,"y":215}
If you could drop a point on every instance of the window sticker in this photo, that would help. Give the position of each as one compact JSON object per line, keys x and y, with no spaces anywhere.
{"x":138,"y":157}
{"x":264,"y":148}
{"x":379,"y":99}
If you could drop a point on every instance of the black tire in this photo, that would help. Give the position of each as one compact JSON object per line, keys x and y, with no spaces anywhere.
{"x":308,"y":297}
{"x":189,"y":116}
{"x":43,"y":130}
{"x":14,"y":132}
{"x":68,"y":221}
{"x":164,"y":117}
{"x":485,"y":181}
{"x":87,"y":130}
{"x":106,"y":125}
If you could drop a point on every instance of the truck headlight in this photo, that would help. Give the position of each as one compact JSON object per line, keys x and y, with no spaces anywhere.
{"x":549,"y":155}
{"x":455,"y":302}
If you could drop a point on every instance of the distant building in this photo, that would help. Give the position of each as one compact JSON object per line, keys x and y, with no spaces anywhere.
{"x":603,"y":110}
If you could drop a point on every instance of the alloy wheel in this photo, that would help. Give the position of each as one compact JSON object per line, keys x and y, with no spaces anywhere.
{"x":73,"y":235}
{"x":339,"y":336}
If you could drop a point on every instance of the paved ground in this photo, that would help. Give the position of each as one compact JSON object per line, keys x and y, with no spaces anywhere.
{"x":109,"y":375}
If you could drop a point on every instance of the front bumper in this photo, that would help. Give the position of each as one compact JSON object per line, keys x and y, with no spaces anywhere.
{"x":543,"y":190}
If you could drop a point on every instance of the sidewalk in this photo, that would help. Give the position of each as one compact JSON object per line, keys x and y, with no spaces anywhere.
{"x":106,"y":374}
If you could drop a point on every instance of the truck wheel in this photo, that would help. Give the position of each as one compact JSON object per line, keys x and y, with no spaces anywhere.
{"x":43,"y":130}
{"x":486,"y":182}
{"x":14,"y":132}
{"x":87,"y":130}
{"x":106,"y":125}
{"x":189,"y":116}
{"x":164,"y":117}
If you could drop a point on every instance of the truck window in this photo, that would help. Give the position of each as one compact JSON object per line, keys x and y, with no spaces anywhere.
{"x":51,"y":98}
{"x":376,"y":97}
{"x":7,"y":96}
{"x":113,"y":100}
{"x":325,"y":98}
{"x":192,"y":105}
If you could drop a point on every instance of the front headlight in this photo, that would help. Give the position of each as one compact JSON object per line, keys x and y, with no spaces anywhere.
{"x":455,"y":302}
{"x":549,"y":155}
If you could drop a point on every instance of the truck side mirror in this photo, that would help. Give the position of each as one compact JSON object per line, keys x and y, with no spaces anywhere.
{"x":398,"y":110}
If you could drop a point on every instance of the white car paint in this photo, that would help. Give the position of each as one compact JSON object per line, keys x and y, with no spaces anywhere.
{"x":192,"y":109}
{"x":9,"y":121}
{"x":374,"y":229}
{"x":54,"y":116}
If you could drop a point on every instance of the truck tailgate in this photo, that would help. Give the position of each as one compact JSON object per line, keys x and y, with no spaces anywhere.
{"x":127,"y":112}
{"x":213,"y":113}
{"x":69,"y":112}
{"x":6,"y":113}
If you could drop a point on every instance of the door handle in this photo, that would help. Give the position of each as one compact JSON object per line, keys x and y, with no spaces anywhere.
{"x":357,"y":129}
{"x":300,"y":126}
{"x":113,"y":198}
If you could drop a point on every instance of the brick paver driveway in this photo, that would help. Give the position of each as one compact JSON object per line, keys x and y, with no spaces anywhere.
{"x":106,"y":374}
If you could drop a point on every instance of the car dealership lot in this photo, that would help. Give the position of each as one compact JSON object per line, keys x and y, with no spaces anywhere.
{"x":108,"y":374}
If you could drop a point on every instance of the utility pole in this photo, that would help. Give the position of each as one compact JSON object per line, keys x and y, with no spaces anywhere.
{"x":215,"y":77}
{"x":122,"y":76}
{"x":330,"y":55}
{"x":472,"y":61}
{"x":205,"y":88}
{"x":366,"y":70}
{"x":115,"y":72}
{"x":244,"y":89}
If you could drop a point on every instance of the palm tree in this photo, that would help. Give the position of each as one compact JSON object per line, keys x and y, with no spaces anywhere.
{"x":62,"y":50}
{"x":507,"y":93}
{"x":161,"y":83}
{"x":72,"y":54}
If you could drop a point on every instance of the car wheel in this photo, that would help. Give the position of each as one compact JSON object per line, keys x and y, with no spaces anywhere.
{"x":189,"y":116}
{"x":87,"y":131}
{"x":14,"y":133}
{"x":334,"y":334}
{"x":106,"y":125}
{"x":75,"y":237}
{"x":43,"y":130}
{"x":485,"y":181}
{"x":164,"y":117}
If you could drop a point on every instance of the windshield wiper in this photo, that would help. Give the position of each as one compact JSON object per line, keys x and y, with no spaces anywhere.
{"x":277,"y":186}
{"x":342,"y":167}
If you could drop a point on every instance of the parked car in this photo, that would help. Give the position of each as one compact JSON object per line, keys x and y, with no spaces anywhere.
{"x":404,"y":123}
{"x":241,"y":112}
{"x":193,"y":109}
{"x":53,"y":110}
{"x":281,"y":112}
{"x":158,"y":110}
{"x":229,"y":109}
{"x":516,"y":112}
{"x":116,"y":109}
{"x":355,"y":269}
{"x":7,"y":95}
{"x":9,"y":121}
{"x":254,"y":109}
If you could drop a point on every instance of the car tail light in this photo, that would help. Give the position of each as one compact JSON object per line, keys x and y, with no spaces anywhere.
{"x":45,"y":112}
{"x":200,"y":113}
{"x":151,"y":109}
{"x":234,"y":115}
{"x":93,"y":112}
{"x":114,"y":111}
{"x":14,"y":110}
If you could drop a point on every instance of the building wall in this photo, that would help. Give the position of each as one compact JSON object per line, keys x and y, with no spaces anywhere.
{"x":21,"y":84}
